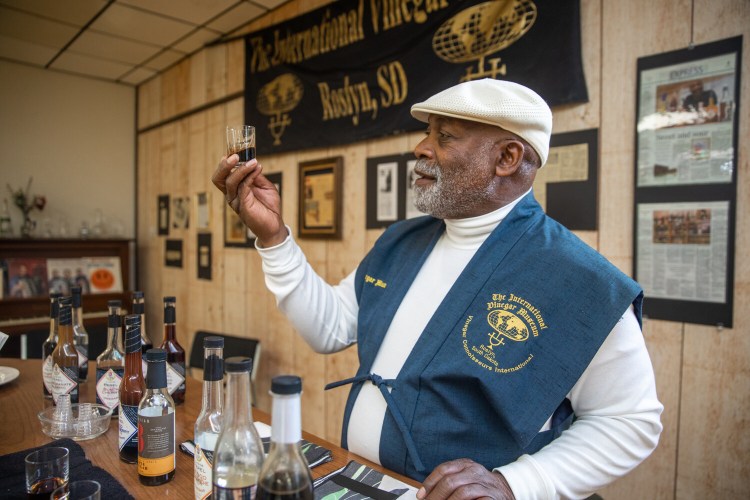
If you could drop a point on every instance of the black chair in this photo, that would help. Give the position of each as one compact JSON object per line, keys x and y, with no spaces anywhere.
{"x":233,"y":346}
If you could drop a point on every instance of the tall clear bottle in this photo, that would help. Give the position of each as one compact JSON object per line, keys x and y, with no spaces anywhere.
{"x":208,"y":423}
{"x":65,"y":357}
{"x":110,"y":364}
{"x":80,"y":335}
{"x":175,"y":353}
{"x":238,"y":457}
{"x":285,"y":473}
{"x":49,"y":344}
{"x":156,"y":448}
{"x":132,"y":389}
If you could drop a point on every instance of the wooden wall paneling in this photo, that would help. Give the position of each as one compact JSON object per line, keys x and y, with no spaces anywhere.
{"x":149,"y":99}
{"x":198,"y":79}
{"x":654,"y":478}
{"x":216,"y":72}
{"x":235,"y":66}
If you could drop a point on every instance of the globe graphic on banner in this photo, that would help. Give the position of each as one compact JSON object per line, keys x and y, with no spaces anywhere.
{"x":483,"y":29}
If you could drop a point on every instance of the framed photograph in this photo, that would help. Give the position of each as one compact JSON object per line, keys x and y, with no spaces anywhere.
{"x":162,"y":210}
{"x":173,"y":253}
{"x":180,"y":212}
{"x":390,"y":190}
{"x":204,"y":256}
{"x":320,"y":195}
{"x":686,"y":182}
{"x":236,"y":233}
{"x":567,"y":186}
{"x":203,"y":211}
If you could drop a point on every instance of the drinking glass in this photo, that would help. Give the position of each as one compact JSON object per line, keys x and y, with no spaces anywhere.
{"x":79,"y":490}
{"x":46,"y":470}
{"x":241,"y":141}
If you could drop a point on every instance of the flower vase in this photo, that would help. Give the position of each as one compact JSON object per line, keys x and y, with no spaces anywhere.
{"x":27,"y":228}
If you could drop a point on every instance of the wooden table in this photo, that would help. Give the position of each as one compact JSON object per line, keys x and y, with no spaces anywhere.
{"x":22,"y":399}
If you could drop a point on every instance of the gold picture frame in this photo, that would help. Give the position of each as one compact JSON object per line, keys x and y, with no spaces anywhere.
{"x":320,"y":197}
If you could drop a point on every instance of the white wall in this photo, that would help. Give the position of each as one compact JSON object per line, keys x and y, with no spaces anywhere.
{"x":76,"y":137}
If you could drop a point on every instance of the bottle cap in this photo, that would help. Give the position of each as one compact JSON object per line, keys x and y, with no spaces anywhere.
{"x":213,"y":342}
{"x":170,"y":299}
{"x":55,"y":295}
{"x":65,"y":301}
{"x":238,"y":364}
{"x":114,"y":303}
{"x":156,"y":355}
{"x":137,"y":294}
{"x":286,"y":384}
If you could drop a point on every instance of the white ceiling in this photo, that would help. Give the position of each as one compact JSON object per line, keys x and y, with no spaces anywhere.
{"x":122,"y":41}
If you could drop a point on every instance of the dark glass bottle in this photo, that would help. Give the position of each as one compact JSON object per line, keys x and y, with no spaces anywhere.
{"x":110,"y":364}
{"x":132,"y":389}
{"x":65,"y":357}
{"x":175,"y":353}
{"x":238,"y":456}
{"x":139,"y":307}
{"x":156,"y":433}
{"x":285,"y":473}
{"x":80,"y":335}
{"x":49,"y":344}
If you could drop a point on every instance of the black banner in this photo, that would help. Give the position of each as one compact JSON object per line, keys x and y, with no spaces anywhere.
{"x":351,"y":70}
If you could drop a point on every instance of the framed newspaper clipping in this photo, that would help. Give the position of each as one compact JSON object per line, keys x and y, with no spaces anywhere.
{"x":686,"y":181}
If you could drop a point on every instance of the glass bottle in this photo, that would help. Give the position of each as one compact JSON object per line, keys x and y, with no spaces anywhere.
{"x":175,"y":353}
{"x":110,"y":364}
{"x":132,"y":389}
{"x":50,"y":343}
{"x":6,"y":228}
{"x":238,"y":457}
{"x":156,"y":451}
{"x":208,"y":423}
{"x":80,"y":335}
{"x":285,"y":473}
{"x":139,"y":307}
{"x":64,"y":376}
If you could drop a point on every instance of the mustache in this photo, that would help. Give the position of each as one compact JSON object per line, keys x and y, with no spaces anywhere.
{"x":427,"y":167}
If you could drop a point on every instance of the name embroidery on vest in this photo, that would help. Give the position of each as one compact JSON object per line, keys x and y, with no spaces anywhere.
{"x":501,"y":348}
{"x":375,"y":282}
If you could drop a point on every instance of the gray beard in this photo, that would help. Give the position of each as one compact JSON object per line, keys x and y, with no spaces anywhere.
{"x":442,"y":200}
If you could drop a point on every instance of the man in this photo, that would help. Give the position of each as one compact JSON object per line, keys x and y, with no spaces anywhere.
{"x":486,"y":328}
{"x":699,"y":99}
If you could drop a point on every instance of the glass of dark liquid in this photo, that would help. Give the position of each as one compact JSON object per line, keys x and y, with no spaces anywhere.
{"x":46,"y":470}
{"x":241,"y":141}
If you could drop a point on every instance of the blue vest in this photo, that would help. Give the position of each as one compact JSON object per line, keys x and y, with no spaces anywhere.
{"x":503,"y":349}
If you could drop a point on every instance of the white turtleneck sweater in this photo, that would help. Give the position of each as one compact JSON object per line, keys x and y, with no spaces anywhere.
{"x":615,"y":401}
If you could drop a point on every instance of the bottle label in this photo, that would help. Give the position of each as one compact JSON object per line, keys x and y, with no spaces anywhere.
{"x":156,"y":454}
{"x":64,"y":381}
{"x":175,"y":377}
{"x":83,"y":355}
{"x":108,"y":386}
{"x":128,"y":424}
{"x":202,"y":472}
{"x":47,"y":374}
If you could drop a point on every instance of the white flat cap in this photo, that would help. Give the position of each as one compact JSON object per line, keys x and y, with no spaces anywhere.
{"x":507,"y":105}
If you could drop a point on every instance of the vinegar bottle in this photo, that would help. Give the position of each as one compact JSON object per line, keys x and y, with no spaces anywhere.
{"x":80,"y":335}
{"x":132,"y":389}
{"x":156,"y":433}
{"x":285,"y":473}
{"x":65,"y":357}
{"x":139,"y":307}
{"x":50,"y":343}
{"x":175,"y":353}
{"x":238,"y":457}
{"x":110,"y":364}
{"x":208,"y":423}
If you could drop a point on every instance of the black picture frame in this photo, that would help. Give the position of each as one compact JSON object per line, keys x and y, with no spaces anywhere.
{"x":203,"y":256}
{"x":320,"y":198}
{"x":389,"y":201}
{"x":173,"y":255}
{"x":685,"y":191}
{"x":162,"y":214}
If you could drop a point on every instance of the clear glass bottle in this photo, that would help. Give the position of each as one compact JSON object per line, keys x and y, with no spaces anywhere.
{"x":110,"y":364}
{"x":285,"y":473}
{"x":6,"y":228}
{"x":80,"y":335}
{"x":238,"y":457}
{"x":65,"y":357}
{"x":156,"y":451}
{"x":175,"y":353}
{"x":208,"y":423}
{"x":49,"y":344}
{"x":132,"y":389}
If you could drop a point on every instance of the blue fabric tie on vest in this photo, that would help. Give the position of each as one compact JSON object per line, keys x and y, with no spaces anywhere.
{"x":383,"y":385}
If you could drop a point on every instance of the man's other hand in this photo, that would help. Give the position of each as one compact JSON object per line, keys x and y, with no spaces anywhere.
{"x":464,"y":479}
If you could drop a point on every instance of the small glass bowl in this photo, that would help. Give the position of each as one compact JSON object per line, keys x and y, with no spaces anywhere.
{"x":74,"y":428}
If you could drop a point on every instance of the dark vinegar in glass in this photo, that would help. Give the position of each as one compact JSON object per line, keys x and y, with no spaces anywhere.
{"x":43,"y":487}
{"x":269,"y":494}
{"x":246,"y":154}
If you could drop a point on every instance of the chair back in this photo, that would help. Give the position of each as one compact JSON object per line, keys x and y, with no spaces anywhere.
{"x":233,"y":346}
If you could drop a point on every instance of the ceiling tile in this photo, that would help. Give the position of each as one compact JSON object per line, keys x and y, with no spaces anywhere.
{"x":138,"y":25}
{"x":77,"y":12}
{"x":25,"y":52}
{"x":270,"y":4}
{"x":33,"y":29}
{"x":113,"y":48}
{"x":138,"y":76}
{"x":196,"y":40}
{"x":195,"y":11}
{"x":238,"y":16}
{"x":164,"y":60}
{"x":86,"y":65}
